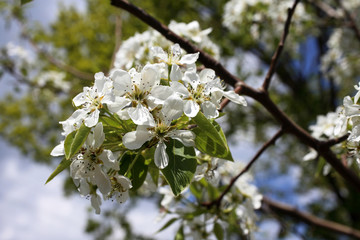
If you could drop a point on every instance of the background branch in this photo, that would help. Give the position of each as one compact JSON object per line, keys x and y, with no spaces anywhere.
{"x":280,"y":47}
{"x":309,"y":219}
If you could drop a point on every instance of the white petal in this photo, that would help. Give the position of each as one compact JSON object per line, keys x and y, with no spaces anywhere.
{"x":99,"y":135}
{"x":58,"y":150}
{"x":236,"y":98}
{"x":189,"y":58}
{"x":180,"y":89}
{"x":99,"y":82}
{"x":209,"y":110}
{"x":150,"y":77}
{"x":141,"y":115}
{"x":160,"y":157}
{"x":124,"y":181}
{"x":192,"y":78}
{"x":186,"y":137}
{"x":122,"y":82}
{"x":80,"y":99}
{"x":159,"y":93}
{"x":96,"y":202}
{"x":107,"y":157}
{"x":191,"y":108}
{"x":84,"y":187}
{"x":175,"y":74}
{"x":102,"y":181}
{"x":118,"y":104}
{"x":207,"y":75}
{"x":92,"y":119}
{"x":172,"y":109}
{"x":159,"y":53}
{"x":134,"y":140}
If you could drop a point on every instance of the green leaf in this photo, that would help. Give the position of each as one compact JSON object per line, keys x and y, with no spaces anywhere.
{"x":219,"y":231}
{"x":138,"y":172}
{"x":181,"y":167}
{"x":167,"y":224}
{"x":75,"y":140}
{"x":154,"y":173}
{"x":180,"y":234}
{"x":62,"y":165}
{"x":25,"y":1}
{"x":210,"y":138}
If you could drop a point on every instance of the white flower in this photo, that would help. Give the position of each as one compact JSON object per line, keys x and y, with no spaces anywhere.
{"x":203,"y":91}
{"x":175,"y":57}
{"x":120,"y":188}
{"x":87,"y":163}
{"x":93,"y":98}
{"x":209,"y":170}
{"x":160,"y":133}
{"x":133,"y":90}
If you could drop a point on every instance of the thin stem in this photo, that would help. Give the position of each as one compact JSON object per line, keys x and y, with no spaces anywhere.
{"x":133,"y":162}
{"x":280,"y":47}
{"x":272,"y":141}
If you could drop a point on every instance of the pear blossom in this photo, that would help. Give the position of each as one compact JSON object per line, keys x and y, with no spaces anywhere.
{"x":87,"y":163}
{"x":92,"y":99}
{"x":136,"y":92}
{"x":175,"y":57}
{"x":203,"y":91}
{"x":160,"y":133}
{"x":120,"y":186}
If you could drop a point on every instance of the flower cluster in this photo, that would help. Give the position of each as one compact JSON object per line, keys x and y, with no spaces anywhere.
{"x":137,"y":115}
{"x":327,"y":127}
{"x":260,"y":13}
{"x":349,"y":119}
{"x":135,"y":51}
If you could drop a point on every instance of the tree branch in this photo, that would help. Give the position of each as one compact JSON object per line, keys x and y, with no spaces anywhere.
{"x":280,"y":47}
{"x":259,"y":95}
{"x":272,"y":141}
{"x":310,"y":219}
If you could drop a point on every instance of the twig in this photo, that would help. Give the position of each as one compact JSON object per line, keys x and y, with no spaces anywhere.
{"x":310,"y":219}
{"x":259,"y":95}
{"x":276,"y":56}
{"x":272,"y":141}
{"x":334,"y":141}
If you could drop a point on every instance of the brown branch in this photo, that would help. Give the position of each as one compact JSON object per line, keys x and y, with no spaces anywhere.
{"x":272,"y":141}
{"x":276,"y":56}
{"x":309,"y":219}
{"x":258,"y":94}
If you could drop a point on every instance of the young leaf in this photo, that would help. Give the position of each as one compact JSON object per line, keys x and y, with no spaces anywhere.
{"x":75,"y":140}
{"x":25,"y":1}
{"x":62,"y":165}
{"x":180,"y":234}
{"x":219,"y":232}
{"x":210,"y":138}
{"x":167,"y":224}
{"x":181,"y":167}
